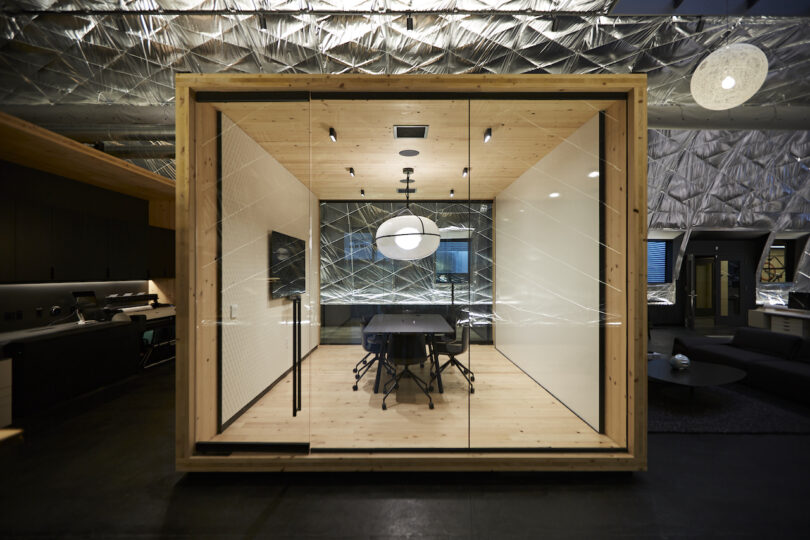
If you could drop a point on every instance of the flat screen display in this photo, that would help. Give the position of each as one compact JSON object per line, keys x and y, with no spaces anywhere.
{"x":453,"y":261}
{"x":288,"y":266}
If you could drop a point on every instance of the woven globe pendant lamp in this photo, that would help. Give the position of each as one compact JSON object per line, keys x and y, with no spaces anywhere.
{"x":729,"y":76}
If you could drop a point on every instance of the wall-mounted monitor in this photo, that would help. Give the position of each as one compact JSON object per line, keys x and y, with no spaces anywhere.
{"x":453,"y":260}
{"x":288,"y":265}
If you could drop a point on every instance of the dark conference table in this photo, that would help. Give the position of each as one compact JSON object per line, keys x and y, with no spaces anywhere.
{"x":428,"y":324}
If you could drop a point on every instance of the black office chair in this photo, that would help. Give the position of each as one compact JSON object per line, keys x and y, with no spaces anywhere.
{"x":453,"y":349}
{"x":406,"y":350}
{"x":372,"y":344}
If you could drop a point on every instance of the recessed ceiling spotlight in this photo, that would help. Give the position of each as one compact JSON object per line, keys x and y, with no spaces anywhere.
{"x":593,"y":174}
{"x":351,"y":171}
{"x":362,"y":192}
{"x":333,"y":134}
{"x":452,"y":193}
{"x":487,"y":135}
{"x":553,"y":195}
{"x":465,"y":172}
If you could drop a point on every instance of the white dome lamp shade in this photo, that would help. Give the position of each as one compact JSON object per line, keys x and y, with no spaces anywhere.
{"x":407,"y":237}
{"x":729,"y":76}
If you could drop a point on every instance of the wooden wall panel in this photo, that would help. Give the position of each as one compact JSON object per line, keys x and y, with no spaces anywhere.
{"x":207,"y":290}
{"x":637,"y":274}
{"x":185,"y":257}
{"x":615,"y":249}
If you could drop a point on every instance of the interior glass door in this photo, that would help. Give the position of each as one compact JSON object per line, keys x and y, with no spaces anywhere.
{"x":391,"y":159}
{"x":267,"y":273}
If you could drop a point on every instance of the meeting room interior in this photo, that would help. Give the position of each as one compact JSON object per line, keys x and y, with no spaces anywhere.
{"x":427,"y":272}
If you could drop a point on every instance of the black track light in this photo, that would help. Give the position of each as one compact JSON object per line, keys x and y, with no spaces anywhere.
{"x":362,"y":192}
{"x":333,"y":134}
{"x":555,"y":24}
{"x":487,"y":135}
{"x":409,"y":22}
{"x":351,"y":171}
{"x":452,"y":193}
{"x":465,"y":172}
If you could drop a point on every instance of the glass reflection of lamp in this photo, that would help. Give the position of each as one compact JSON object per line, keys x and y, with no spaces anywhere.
{"x":407,"y":237}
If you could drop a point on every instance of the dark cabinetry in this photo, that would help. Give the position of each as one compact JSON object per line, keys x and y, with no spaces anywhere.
{"x":160,"y":255}
{"x":57,"y":230}
{"x":41,"y":244}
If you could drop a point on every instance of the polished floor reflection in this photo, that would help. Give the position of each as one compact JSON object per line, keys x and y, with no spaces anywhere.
{"x":507,"y":410}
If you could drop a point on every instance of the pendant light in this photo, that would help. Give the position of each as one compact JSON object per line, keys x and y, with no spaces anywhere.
{"x":729,"y":76}
{"x":407,"y":237}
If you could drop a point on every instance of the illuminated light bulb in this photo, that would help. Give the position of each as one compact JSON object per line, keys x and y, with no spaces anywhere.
{"x":411,"y":239}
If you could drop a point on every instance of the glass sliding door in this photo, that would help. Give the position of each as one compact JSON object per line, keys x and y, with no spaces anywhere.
{"x":267,"y":282}
{"x":389,"y":158}
{"x":543,"y":164}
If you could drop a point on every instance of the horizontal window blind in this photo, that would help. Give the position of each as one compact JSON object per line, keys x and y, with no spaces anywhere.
{"x":656,"y":262}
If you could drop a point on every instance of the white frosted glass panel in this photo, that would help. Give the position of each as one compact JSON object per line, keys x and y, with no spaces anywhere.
{"x":259,"y":196}
{"x":547,"y":272}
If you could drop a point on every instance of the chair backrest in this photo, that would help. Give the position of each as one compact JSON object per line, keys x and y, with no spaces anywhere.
{"x":407,"y":348}
{"x":465,"y":337}
{"x":370,"y":341}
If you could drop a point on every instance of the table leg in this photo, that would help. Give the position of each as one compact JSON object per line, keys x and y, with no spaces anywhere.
{"x":380,"y":360}
{"x":435,"y":360}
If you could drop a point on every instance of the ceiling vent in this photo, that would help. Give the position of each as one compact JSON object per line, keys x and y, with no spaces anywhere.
{"x":410,"y":132}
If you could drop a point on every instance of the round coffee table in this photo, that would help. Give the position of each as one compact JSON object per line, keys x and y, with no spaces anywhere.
{"x":697,"y":374}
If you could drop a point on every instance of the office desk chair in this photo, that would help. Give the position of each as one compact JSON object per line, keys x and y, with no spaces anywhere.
{"x":406,"y":350}
{"x":372,"y":344}
{"x":453,"y":349}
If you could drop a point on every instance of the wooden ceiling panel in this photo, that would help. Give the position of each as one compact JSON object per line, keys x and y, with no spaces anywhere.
{"x":523,"y":131}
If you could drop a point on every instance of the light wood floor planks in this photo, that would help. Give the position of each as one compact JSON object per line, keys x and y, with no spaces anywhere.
{"x":507,"y":410}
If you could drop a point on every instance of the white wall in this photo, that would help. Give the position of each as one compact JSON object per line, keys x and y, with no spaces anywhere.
{"x":260,"y":196}
{"x":547,"y":272}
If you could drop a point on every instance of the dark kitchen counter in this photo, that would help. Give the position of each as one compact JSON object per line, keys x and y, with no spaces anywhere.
{"x":41,"y":333}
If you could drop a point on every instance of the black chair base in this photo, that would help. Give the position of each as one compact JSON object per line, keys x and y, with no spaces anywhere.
{"x":465,"y":372}
{"x":406,"y":373}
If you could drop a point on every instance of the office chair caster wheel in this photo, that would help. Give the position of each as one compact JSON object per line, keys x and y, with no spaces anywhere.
{"x":357,"y":377}
{"x":354,"y":388}
{"x":354,"y":370}
{"x":430,"y":405}
{"x":472,"y":390}
{"x":430,"y":389}
{"x":472,"y":378}
{"x":396,"y":386}
{"x":384,"y":407}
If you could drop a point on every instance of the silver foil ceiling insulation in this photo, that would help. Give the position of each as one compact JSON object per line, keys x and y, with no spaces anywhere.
{"x":126,"y":52}
{"x":95,"y":51}
{"x":727,"y":180}
{"x":353,"y":272}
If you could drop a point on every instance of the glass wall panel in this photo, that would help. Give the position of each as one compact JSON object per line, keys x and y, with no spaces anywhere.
{"x":267,"y":272}
{"x":382,"y":148}
{"x":540,"y":384}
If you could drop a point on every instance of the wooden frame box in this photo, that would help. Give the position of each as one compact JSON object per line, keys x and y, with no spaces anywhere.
{"x":624,"y":380}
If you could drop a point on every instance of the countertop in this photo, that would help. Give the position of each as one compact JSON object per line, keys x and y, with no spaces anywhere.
{"x":56,"y":330}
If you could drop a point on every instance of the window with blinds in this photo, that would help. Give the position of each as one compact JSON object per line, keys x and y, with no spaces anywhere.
{"x":657,"y":261}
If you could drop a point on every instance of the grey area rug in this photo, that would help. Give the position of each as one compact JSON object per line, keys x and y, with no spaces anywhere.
{"x":734,"y":408}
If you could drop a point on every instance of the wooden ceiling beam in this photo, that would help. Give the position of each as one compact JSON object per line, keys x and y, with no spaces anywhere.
{"x":31,"y":146}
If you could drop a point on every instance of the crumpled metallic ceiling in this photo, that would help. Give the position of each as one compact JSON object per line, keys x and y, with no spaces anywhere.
{"x":126,"y":52}
{"x":728,"y":179}
{"x":96,"y":51}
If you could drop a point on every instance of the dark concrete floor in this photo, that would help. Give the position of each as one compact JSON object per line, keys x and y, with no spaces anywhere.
{"x":101,"y":467}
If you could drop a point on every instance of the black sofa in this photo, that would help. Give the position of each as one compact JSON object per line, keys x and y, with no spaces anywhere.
{"x":774,"y":362}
